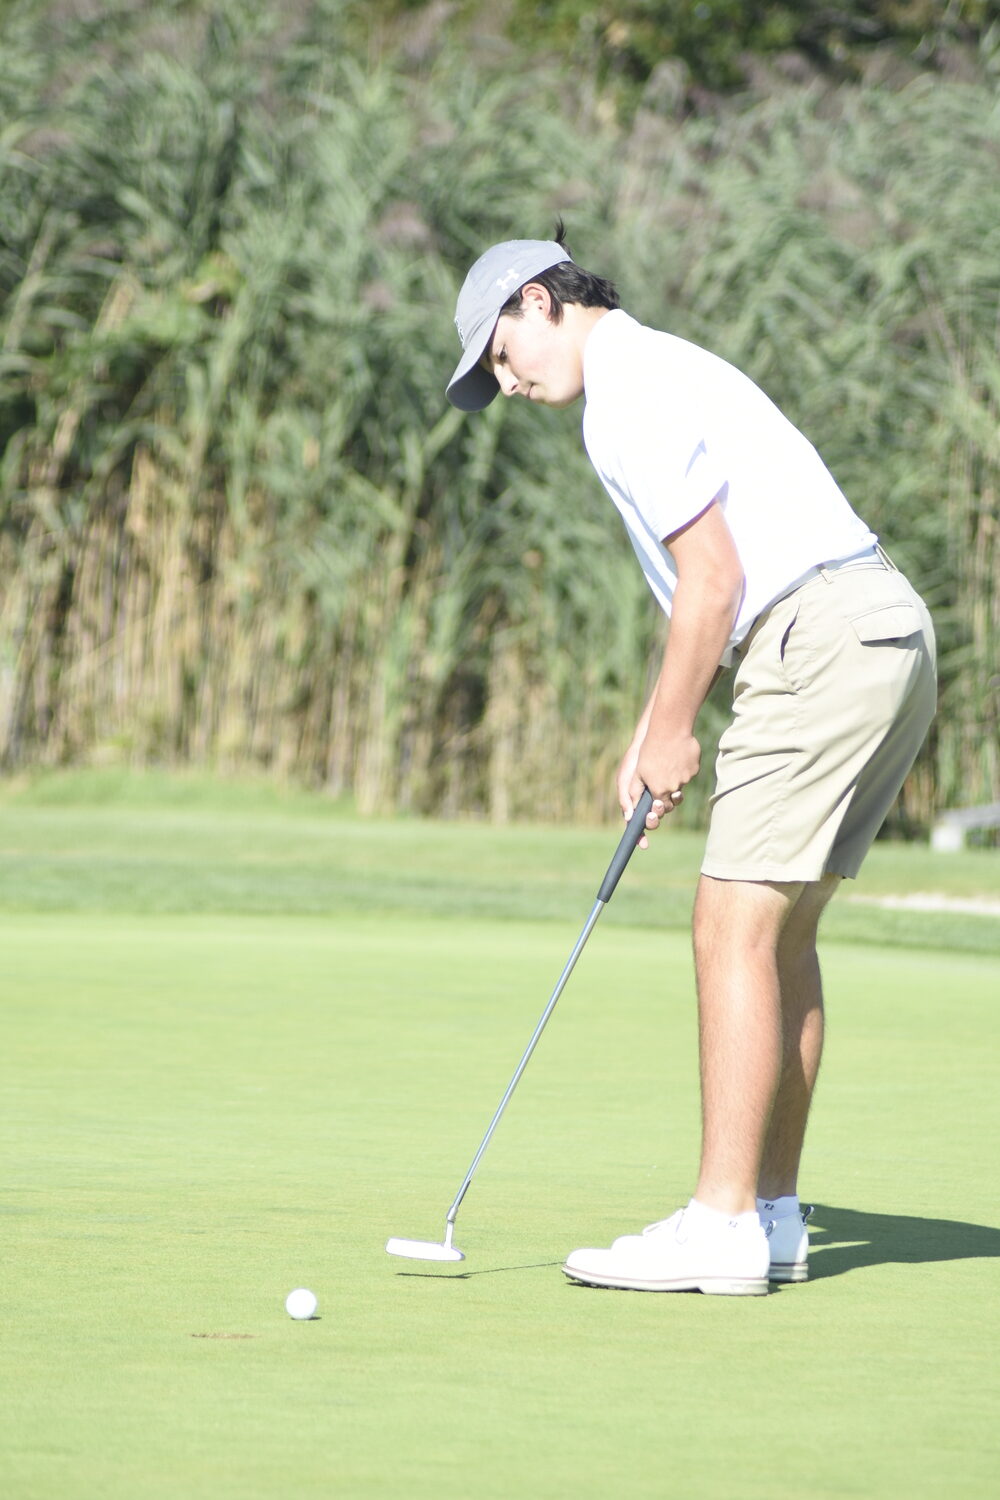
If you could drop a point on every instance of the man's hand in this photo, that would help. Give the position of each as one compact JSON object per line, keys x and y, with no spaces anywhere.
{"x":625,"y":779}
{"x":664,"y":768}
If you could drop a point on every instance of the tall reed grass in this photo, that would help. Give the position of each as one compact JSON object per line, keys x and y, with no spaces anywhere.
{"x":240,"y":526}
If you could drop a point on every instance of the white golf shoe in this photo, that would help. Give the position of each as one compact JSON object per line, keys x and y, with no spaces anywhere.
{"x":726,"y":1257}
{"x":788,"y":1238}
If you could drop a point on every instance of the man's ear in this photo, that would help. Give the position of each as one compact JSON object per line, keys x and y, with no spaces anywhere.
{"x":535,"y":295}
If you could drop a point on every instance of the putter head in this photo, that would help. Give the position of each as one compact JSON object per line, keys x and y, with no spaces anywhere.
{"x":423,"y":1250}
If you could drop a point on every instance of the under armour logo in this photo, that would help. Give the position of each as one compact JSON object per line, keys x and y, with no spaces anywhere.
{"x":506,"y":282}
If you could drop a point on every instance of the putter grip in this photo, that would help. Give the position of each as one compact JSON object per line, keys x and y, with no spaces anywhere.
{"x":626,"y":847}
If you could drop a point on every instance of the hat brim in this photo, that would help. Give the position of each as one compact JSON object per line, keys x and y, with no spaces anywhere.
{"x":472,"y":388}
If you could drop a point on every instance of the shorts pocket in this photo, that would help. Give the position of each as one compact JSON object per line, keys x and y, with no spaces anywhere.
{"x":892,"y":622}
{"x":786,"y":636}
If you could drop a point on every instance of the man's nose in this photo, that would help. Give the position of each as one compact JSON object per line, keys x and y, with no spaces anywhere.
{"x":507,"y":382}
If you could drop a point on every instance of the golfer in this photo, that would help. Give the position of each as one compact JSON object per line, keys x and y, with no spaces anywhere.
{"x":763,"y":567}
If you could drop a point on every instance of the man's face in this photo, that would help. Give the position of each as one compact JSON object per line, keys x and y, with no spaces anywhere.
{"x":532,"y":356}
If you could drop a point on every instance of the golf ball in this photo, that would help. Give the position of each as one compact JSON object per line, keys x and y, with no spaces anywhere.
{"x":301,"y":1304}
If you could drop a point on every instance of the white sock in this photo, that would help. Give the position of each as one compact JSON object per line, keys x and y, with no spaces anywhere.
{"x":698,"y":1214}
{"x":778,"y":1208}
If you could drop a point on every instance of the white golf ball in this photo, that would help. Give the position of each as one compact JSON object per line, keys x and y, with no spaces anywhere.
{"x":301,"y":1304}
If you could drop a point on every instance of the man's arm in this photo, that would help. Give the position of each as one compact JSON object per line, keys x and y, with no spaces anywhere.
{"x":706,"y":602}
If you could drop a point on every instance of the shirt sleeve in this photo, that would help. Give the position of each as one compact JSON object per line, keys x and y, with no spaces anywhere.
{"x":669,"y":465}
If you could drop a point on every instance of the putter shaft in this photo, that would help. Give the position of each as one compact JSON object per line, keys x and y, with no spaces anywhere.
{"x":623,"y":854}
{"x":546,"y":1013}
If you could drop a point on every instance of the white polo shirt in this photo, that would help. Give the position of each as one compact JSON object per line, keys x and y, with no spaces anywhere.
{"x":670,"y":427}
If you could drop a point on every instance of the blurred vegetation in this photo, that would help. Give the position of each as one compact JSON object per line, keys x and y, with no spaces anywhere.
{"x":239,"y":525}
{"x":720,"y":44}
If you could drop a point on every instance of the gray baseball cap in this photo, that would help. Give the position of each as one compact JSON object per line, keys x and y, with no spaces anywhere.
{"x":493,"y":280}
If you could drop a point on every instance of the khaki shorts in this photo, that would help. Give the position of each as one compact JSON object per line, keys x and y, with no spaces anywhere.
{"x":834,"y":690}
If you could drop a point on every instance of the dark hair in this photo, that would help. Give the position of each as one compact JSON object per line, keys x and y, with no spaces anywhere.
{"x":567,"y":282}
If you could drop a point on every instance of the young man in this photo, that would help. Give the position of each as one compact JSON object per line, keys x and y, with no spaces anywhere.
{"x":760,"y":562}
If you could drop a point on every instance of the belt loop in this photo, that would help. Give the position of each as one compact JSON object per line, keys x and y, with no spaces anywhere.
{"x":824,"y":573}
{"x":886,"y":559}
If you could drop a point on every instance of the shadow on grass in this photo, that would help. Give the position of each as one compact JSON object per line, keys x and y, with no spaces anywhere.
{"x":842,"y":1239}
{"x":539,"y":1265}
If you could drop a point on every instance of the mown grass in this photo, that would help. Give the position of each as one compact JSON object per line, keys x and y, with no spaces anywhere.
{"x":204,"y":1108}
{"x":113,"y":842}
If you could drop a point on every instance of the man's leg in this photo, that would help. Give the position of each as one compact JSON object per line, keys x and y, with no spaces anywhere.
{"x":760,"y":1018}
{"x":717,"y":1244}
{"x":738,"y":929}
{"x":802,"y":1024}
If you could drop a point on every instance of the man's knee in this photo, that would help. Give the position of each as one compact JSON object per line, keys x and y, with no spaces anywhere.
{"x":738,"y":917}
{"x":803,"y":918}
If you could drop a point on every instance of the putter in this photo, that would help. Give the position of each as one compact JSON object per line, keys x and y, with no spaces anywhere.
{"x":445,"y":1250}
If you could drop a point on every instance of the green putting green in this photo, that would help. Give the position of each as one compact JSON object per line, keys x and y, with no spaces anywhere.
{"x":206,"y":1105}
